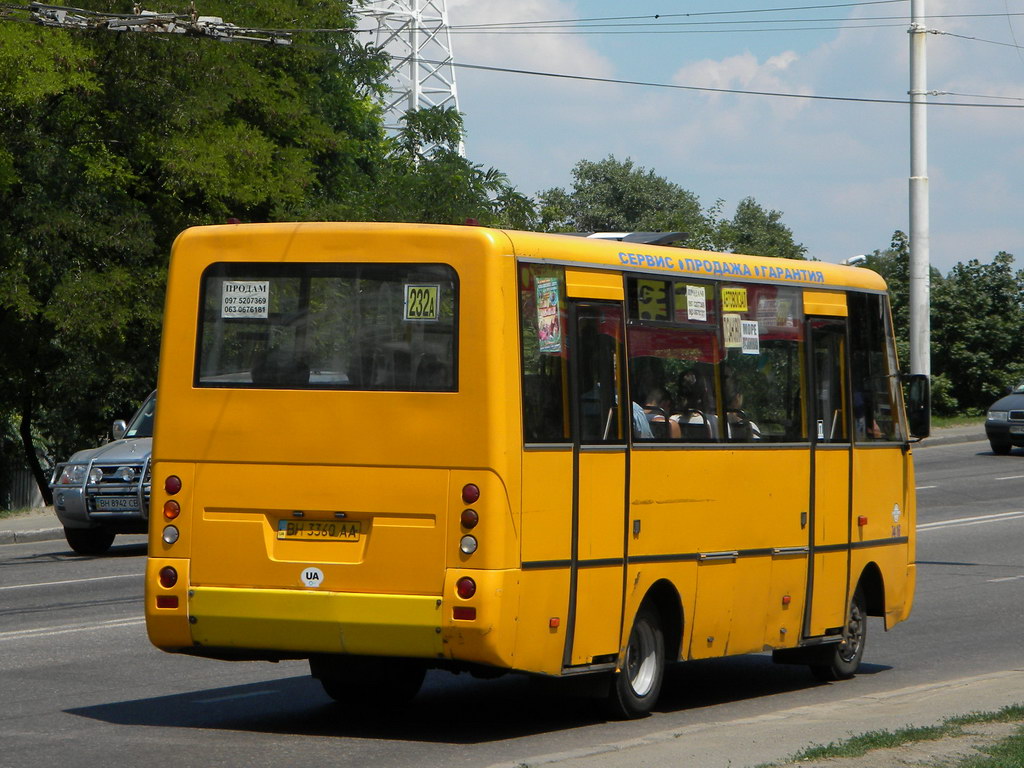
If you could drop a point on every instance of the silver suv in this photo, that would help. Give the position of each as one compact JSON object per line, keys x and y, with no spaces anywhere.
{"x":101,"y":492}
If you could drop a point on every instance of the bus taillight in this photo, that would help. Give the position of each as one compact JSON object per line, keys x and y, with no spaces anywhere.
{"x":168,"y":577}
{"x":469,"y":518}
{"x":470,"y":493}
{"x":171,"y":509}
{"x":172,"y":484}
{"x":465,"y":587}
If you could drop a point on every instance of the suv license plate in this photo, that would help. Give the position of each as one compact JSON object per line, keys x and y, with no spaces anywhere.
{"x":116,"y":504}
{"x":318,"y":530}
{"x":1017,"y":430}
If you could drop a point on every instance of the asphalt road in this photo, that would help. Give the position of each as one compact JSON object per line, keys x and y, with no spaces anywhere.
{"x":81,"y":686}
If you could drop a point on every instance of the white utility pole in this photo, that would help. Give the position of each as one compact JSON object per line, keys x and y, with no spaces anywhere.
{"x":415,"y":33}
{"x":920,"y":301}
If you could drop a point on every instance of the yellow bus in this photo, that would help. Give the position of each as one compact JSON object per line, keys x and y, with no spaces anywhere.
{"x":388,"y":448}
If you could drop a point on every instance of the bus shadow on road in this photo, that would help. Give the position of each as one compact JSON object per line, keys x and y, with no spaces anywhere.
{"x":450,"y":709}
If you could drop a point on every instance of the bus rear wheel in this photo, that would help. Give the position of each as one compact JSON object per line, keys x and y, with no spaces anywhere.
{"x":634,"y":689}
{"x":846,"y":655}
{"x":368,"y":683}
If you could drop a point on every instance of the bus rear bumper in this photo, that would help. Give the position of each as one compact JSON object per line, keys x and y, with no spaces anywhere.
{"x":286,"y":621}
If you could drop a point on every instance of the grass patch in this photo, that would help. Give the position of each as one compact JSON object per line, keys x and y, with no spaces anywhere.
{"x":1008,"y":753}
{"x":962,"y":420}
{"x":6,"y":513}
{"x":866,"y":742}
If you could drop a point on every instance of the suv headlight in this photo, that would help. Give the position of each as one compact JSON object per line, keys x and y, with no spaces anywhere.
{"x":998,"y":415}
{"x":72,"y":474}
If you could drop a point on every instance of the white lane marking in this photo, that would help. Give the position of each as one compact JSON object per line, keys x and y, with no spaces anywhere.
{"x":234,"y":697}
{"x":925,"y":487}
{"x":73,"y":581}
{"x":962,"y":521}
{"x":1011,"y":477}
{"x":64,"y":629}
{"x":1005,"y":578}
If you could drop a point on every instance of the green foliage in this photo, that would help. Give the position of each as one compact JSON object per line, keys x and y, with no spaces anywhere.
{"x":757,"y":231}
{"x":978,"y":329}
{"x":110,"y":144}
{"x":977,"y":325}
{"x":944,"y":402}
{"x":617,"y":196}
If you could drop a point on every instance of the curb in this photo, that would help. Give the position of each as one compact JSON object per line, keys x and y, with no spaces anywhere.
{"x":24,"y":537}
{"x":952,"y":440}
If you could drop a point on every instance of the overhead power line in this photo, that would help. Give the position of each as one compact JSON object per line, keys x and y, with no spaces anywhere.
{"x":707,"y":89}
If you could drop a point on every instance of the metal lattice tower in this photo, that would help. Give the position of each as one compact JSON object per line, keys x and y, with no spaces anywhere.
{"x":415,"y":33}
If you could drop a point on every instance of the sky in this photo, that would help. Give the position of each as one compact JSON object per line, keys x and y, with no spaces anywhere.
{"x":837,"y":170}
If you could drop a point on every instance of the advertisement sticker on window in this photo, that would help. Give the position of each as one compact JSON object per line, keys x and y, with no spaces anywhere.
{"x":245,"y":298}
{"x":734,"y":299}
{"x":732,"y":328}
{"x":696,"y":303}
{"x":751,"y":338}
{"x":421,"y":302}
{"x":549,"y":327}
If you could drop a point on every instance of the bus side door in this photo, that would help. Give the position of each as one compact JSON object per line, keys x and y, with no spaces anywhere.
{"x":601,"y":416}
{"x":830,"y":479}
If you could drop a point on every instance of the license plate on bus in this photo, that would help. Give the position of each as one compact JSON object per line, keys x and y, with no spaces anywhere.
{"x":318,"y":530}
{"x":116,"y":504}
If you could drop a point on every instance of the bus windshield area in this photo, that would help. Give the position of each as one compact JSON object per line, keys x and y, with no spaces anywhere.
{"x":328,"y":326}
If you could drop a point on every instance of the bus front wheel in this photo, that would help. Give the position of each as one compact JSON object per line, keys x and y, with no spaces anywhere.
{"x":368,"y":682}
{"x":846,"y":655}
{"x":635,"y":688}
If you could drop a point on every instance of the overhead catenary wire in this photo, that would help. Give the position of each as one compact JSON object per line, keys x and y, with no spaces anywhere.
{"x":708,"y":89}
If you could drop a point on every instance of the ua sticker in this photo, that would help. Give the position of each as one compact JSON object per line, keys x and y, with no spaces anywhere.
{"x":895,"y":513}
{"x":312,"y":577}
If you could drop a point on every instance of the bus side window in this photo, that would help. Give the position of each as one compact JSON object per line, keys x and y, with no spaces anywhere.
{"x":762,"y":370}
{"x":874,"y":373}
{"x":542,"y":336}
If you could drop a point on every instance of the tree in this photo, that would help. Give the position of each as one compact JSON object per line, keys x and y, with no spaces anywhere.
{"x":755,"y":230}
{"x":978,"y":329}
{"x":614,"y":196}
{"x":441,"y":186}
{"x":617,"y":196}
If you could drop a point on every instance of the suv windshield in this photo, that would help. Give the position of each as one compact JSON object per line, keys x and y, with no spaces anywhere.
{"x":142,"y":423}
{"x":328,"y":326}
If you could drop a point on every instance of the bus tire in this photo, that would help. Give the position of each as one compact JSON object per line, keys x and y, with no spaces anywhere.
{"x":846,"y":655}
{"x":89,"y":541}
{"x":634,"y":689}
{"x":369,"y":683}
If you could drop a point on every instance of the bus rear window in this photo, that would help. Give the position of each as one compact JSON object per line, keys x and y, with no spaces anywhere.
{"x":328,"y":326}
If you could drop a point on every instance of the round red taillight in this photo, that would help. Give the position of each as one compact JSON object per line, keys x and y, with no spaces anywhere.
{"x":470,"y":493}
{"x":168,"y":577}
{"x":469,"y":518}
{"x":465,"y":587}
{"x":172,"y":484}
{"x":171,"y":509}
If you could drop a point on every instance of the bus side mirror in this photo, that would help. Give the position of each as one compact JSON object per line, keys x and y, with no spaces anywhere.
{"x":919,"y":406}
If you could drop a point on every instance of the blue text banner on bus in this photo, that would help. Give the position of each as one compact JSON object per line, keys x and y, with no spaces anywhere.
{"x":722,"y":268}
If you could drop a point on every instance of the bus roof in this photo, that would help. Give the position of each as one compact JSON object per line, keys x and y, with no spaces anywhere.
{"x":569,"y":250}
